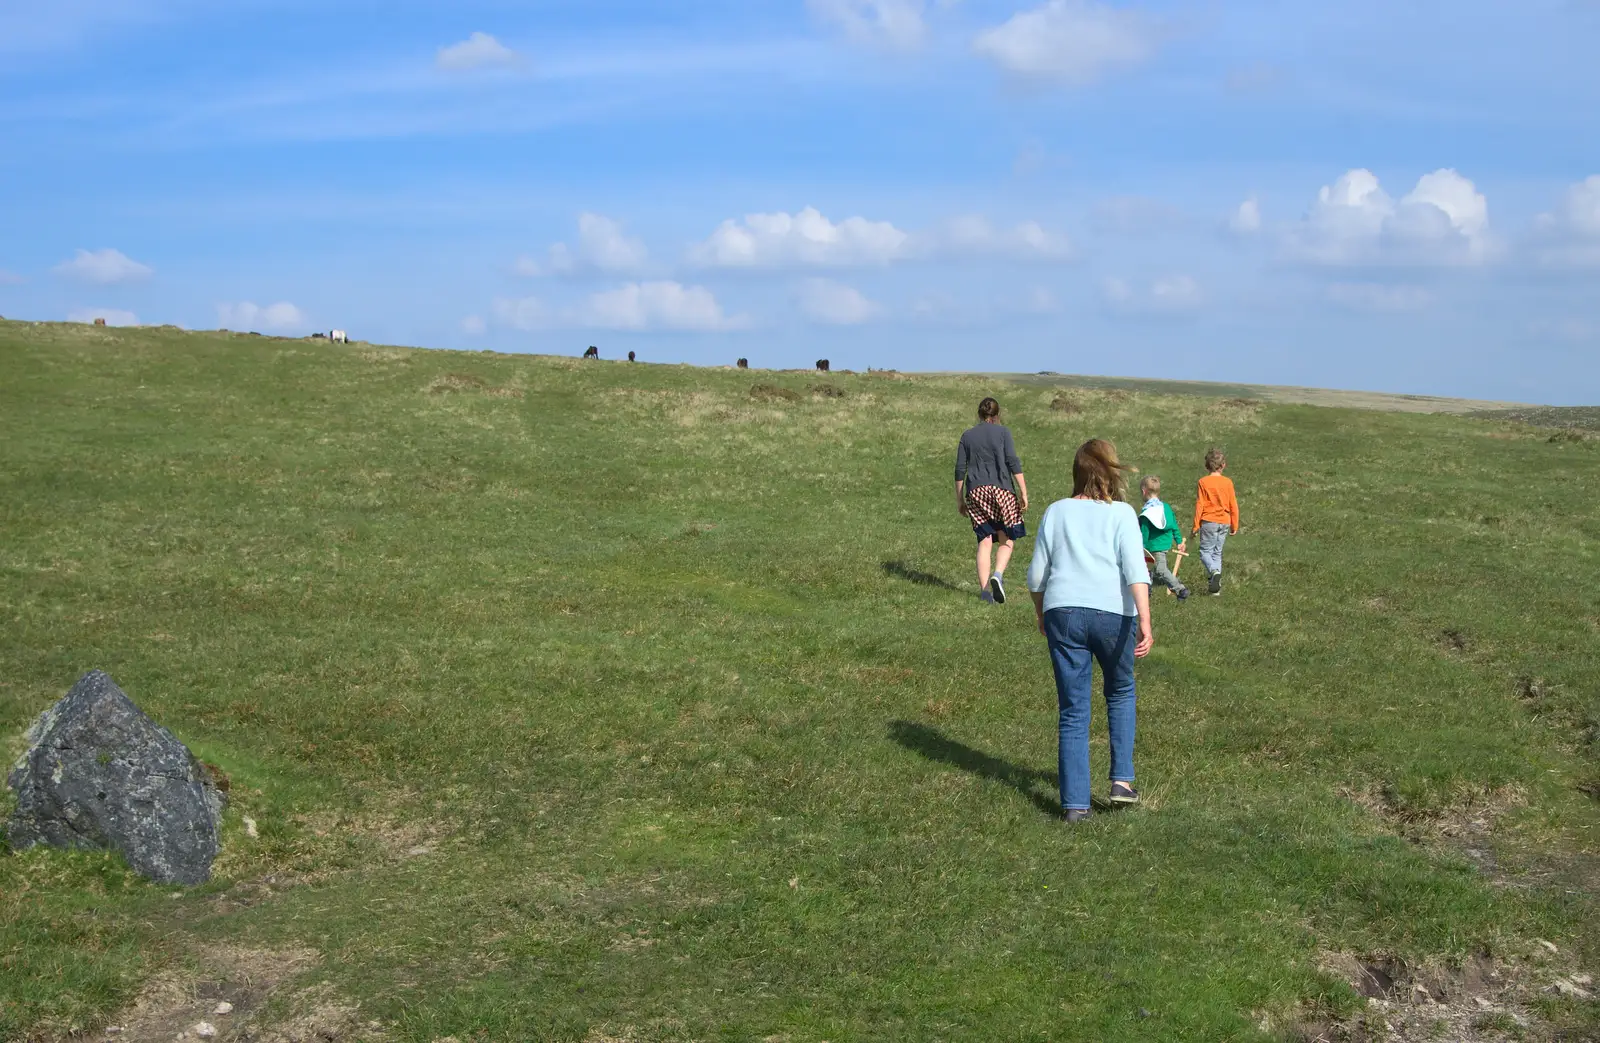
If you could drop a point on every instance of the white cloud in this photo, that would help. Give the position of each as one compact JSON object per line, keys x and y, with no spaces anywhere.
{"x":656,"y":305}
{"x":1136,"y":215}
{"x":1169,"y":295}
{"x":805,"y":238}
{"x":247,"y":315}
{"x":10,"y":278}
{"x":602,"y":246}
{"x":113,"y":316}
{"x":976,"y":235}
{"x":1444,"y":220}
{"x":1571,"y":235}
{"x":1246,"y":220}
{"x":522,"y":313}
{"x":1073,"y":41}
{"x":892,"y":23}
{"x":808,"y":239}
{"x":1575,"y":331}
{"x":1040,"y":301}
{"x":634,"y":306}
{"x":478,"y":51}
{"x":1382,"y":298}
{"x":474,"y":326}
{"x":103,"y":267}
{"x":834,"y":303}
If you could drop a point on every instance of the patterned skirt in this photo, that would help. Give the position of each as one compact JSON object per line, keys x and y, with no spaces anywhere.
{"x":993,"y":510}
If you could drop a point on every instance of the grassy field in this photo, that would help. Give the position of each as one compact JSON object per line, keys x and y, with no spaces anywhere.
{"x":608,"y":702}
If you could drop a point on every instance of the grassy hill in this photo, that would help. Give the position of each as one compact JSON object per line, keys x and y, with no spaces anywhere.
{"x":595,"y":701}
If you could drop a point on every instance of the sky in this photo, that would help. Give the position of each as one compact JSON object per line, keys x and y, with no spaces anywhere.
{"x":1370,"y":195}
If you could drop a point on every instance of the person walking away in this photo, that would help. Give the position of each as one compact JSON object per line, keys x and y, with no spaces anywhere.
{"x":1216,"y":517}
{"x":1159,"y":527}
{"x":1091,"y":592}
{"x":993,"y":494}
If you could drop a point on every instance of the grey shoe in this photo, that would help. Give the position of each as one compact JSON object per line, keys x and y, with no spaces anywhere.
{"x":986,"y":597}
{"x":1215,"y":584}
{"x":998,"y":589}
{"x":1072,"y":816}
{"x":1124,"y":793}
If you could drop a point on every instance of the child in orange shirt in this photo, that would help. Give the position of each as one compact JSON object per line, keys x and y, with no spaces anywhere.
{"x":1216,"y":516}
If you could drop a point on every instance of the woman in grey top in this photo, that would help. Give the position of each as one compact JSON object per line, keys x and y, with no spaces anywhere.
{"x":986,"y":464}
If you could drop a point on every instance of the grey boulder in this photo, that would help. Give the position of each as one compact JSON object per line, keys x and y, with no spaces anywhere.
{"x":100,"y":774}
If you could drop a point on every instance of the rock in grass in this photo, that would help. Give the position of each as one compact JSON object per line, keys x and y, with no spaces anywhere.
{"x":100,"y":774}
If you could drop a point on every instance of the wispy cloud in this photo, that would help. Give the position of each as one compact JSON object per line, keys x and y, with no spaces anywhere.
{"x":1379,"y":298}
{"x":1070,"y":41}
{"x":834,"y":303}
{"x":893,"y":23}
{"x":603,"y":246}
{"x":634,"y":307}
{"x":1169,"y":295}
{"x":478,"y":51}
{"x":271,"y":318}
{"x":1570,"y":234}
{"x":103,"y":267}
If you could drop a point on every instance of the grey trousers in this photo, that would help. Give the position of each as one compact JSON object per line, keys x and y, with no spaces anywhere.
{"x":1212,"y":537}
{"x":1161,"y":575}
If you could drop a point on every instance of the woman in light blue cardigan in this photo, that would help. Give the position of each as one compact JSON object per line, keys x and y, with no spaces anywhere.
{"x":1091,"y":591}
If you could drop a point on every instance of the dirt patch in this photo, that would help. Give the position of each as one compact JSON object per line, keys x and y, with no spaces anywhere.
{"x":229,"y":988}
{"x":1065,"y":404}
{"x":1464,"y":825}
{"x":1532,"y":689}
{"x":1477,"y":1000}
{"x":1455,"y":641}
{"x":773,"y":393}
{"x":827,"y":390}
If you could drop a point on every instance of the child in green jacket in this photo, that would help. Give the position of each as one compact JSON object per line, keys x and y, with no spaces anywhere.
{"x":1159,"y":526}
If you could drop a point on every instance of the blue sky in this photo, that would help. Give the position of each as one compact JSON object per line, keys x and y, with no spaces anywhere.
{"x":1400,"y":197}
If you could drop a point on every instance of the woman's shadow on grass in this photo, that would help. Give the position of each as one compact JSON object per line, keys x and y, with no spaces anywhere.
{"x":900,"y":570}
{"x":937,"y":746}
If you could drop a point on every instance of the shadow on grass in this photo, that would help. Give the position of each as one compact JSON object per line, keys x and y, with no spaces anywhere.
{"x":900,"y":570}
{"x":937,"y":746}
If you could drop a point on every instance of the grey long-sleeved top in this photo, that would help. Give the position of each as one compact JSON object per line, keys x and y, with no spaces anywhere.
{"x":987,"y":456}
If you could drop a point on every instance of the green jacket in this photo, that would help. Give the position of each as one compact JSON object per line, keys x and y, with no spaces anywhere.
{"x":1168,"y":535}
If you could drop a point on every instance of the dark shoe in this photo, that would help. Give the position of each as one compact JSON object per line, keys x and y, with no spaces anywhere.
{"x":998,"y":589}
{"x":1216,"y":584}
{"x":1073,"y":816}
{"x":986,"y":597}
{"x":1124,"y":793}
{"x":1183,"y":595}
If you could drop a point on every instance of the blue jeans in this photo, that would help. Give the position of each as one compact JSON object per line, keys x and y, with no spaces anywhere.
{"x":1212,"y":536}
{"x":1078,"y":638}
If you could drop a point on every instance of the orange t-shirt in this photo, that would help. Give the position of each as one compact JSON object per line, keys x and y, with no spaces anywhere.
{"x":1215,"y":502}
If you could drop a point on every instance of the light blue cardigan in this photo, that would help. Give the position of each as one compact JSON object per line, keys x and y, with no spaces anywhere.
{"x":1087,"y":554}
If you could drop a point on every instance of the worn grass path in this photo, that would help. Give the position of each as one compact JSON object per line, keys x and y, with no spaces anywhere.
{"x":595,"y":701}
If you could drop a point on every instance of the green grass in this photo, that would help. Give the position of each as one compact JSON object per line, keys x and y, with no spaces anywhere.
{"x":579,"y":701}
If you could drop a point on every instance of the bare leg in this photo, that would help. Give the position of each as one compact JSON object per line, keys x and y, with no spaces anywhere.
{"x":1003,"y":546}
{"x":983,"y":562}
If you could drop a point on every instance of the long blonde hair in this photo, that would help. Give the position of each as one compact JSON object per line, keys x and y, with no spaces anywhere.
{"x":1096,"y":471}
